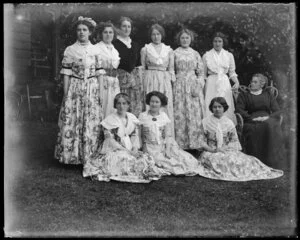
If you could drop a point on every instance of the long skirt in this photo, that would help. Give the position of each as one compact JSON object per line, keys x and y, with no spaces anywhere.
{"x":109,"y":87}
{"x":131,"y":84}
{"x":211,"y":91}
{"x":188,"y":111}
{"x":121,"y":165}
{"x":79,"y":122}
{"x":264,"y":140}
{"x":178,"y":163}
{"x":156,"y":80}
{"x":235,"y":166}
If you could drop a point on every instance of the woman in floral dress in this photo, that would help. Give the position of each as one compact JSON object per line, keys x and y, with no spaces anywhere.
{"x":118,"y":158}
{"x":217,"y":64}
{"x":222,"y":158}
{"x":81,"y":109}
{"x":188,"y":92}
{"x":129,"y":75}
{"x":109,"y":60}
{"x":158,"y":62}
{"x":157,"y":140}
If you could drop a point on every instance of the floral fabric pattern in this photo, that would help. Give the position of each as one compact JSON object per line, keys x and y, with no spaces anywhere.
{"x":131,"y":84}
{"x":232,"y":165}
{"x":154,"y":136}
{"x":159,"y":73}
{"x":81,"y":110}
{"x":114,"y":159}
{"x":189,"y":109}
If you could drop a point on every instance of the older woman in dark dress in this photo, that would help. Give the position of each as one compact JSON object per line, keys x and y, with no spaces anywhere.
{"x":262,"y":131}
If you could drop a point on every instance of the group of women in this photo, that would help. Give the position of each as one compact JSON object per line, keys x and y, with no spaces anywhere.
{"x":129,"y":114}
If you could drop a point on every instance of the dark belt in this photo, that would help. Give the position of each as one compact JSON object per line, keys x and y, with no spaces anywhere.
{"x":82,"y":78}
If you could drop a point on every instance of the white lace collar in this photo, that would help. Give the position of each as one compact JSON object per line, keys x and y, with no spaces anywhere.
{"x":256,"y":92}
{"x":163,"y":53}
{"x":126,"y":41}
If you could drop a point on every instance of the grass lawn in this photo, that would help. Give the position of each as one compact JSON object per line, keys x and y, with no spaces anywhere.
{"x":45,"y":198}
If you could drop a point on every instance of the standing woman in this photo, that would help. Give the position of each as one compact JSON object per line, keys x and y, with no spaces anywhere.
{"x":188,"y":92}
{"x":81,"y":110}
{"x":128,"y":74}
{"x":158,"y":61}
{"x":217,"y":64}
{"x":109,"y":60}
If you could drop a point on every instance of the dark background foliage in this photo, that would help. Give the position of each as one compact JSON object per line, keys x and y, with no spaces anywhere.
{"x":261,"y":36}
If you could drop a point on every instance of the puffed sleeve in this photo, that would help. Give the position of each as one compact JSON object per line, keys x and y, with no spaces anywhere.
{"x":231,"y":70}
{"x":171,"y":65}
{"x":241,"y":106}
{"x":143,"y":57}
{"x":67,"y":62}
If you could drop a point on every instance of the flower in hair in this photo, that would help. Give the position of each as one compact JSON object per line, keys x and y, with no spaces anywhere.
{"x":87,"y":19}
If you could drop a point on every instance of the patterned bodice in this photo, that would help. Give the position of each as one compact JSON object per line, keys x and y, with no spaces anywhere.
{"x":79,"y":61}
{"x":187,"y":60}
{"x":149,"y":136}
{"x":212,"y":138}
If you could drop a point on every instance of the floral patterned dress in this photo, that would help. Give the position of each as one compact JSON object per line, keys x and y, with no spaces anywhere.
{"x":159,"y":73}
{"x":216,"y":68}
{"x":108,"y":60}
{"x":155,"y":134}
{"x":232,"y":165}
{"x":188,"y":109}
{"x":81,"y":111}
{"x":115,"y":161}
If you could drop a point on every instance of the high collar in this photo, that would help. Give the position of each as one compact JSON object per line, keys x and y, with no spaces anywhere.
{"x":256,"y":92}
{"x":83,"y":44}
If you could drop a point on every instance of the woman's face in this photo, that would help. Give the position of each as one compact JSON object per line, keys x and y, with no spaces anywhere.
{"x":155,"y":104}
{"x":185,"y":40}
{"x":122,"y":106}
{"x":108,"y":34}
{"x":218,"y":43}
{"x":83,"y":33}
{"x":255,"y":84}
{"x":126,"y":28}
{"x":218,"y":110}
{"x":156,"y":36}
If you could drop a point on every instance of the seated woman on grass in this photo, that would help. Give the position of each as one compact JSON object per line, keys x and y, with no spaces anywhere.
{"x":222,"y":158}
{"x":157,"y":138}
{"x":118,"y":158}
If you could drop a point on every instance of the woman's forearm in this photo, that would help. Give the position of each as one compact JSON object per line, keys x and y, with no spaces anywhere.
{"x":66,"y":84}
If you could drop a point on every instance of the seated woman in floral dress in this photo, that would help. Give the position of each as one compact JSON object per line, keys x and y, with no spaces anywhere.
{"x":222,"y":158}
{"x":158,"y":142}
{"x":119,"y":158}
